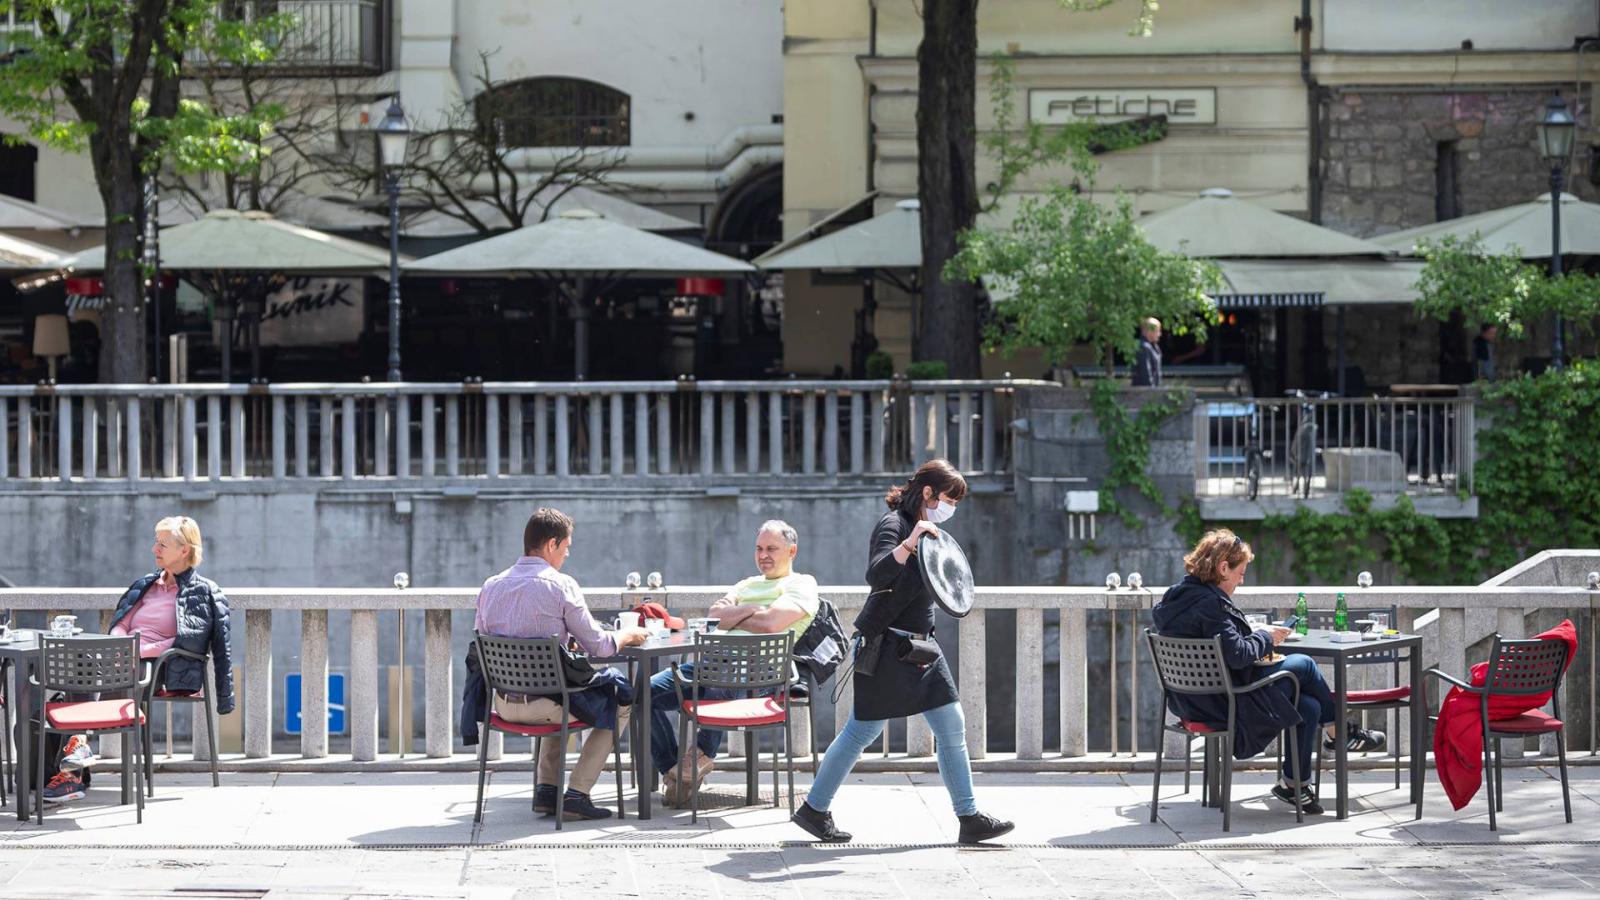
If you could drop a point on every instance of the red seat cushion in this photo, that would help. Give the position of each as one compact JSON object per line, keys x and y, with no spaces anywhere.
{"x":1531,"y":722}
{"x":181,"y":695}
{"x":1201,"y":727}
{"x":90,"y":715}
{"x":1381,"y":695}
{"x":533,"y":730}
{"x":737,"y":713}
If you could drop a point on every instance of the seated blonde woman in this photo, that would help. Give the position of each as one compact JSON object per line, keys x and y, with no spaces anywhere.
{"x":173,"y":606}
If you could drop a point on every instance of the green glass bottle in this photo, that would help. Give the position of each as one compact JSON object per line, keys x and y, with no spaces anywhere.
{"x":1302,"y":614}
{"x":1341,"y":614}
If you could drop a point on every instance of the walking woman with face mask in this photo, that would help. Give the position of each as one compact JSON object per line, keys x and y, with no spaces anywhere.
{"x":907,"y":674}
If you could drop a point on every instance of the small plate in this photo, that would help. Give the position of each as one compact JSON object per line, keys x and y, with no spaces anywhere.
{"x":1293,"y":637}
{"x":1271,"y":660}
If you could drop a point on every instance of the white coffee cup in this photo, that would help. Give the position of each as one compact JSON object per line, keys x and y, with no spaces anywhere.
{"x":627,"y":620}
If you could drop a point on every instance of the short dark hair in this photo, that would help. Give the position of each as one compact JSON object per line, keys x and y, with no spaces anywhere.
{"x":545,"y":525}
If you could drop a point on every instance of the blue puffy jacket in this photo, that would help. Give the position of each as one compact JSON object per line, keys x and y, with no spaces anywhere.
{"x":202,"y":629}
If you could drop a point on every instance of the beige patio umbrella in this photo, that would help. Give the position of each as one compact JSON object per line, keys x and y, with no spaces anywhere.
{"x":237,"y":258}
{"x":1524,"y":228}
{"x":19,"y":255}
{"x":547,"y":203}
{"x":25,"y":215}
{"x":1218,"y":225}
{"x":582,"y":253}
{"x":323,"y":213}
{"x":892,"y":240}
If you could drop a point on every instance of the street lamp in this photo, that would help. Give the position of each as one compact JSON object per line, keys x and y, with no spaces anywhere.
{"x":393,"y":133}
{"x":1556,"y":131}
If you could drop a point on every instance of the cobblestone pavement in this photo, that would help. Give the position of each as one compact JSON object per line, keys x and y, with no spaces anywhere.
{"x":412,"y":835}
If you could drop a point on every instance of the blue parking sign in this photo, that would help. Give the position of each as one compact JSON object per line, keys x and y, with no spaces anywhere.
{"x":291,"y":703}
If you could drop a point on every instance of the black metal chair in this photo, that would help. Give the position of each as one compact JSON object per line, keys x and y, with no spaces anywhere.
{"x":1527,"y":667}
{"x":750,"y":664}
{"x":1387,"y":700}
{"x":156,"y":694}
{"x":1197,"y":666}
{"x":531,"y":667}
{"x":94,"y":666}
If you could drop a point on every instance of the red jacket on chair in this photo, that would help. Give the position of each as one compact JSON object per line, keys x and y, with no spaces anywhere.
{"x":1458,"y":739}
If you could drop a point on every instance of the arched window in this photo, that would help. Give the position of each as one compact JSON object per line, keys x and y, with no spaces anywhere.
{"x":555,"y":112}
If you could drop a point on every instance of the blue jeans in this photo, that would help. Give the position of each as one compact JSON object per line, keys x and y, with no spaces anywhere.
{"x":663,"y":702}
{"x":1317,"y":708}
{"x":950,"y":734}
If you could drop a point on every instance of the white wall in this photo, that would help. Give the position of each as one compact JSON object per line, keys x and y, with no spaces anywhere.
{"x":720,"y":59}
{"x":1421,"y":25}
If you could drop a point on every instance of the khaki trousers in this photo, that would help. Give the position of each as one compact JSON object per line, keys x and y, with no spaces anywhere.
{"x":596,"y":741}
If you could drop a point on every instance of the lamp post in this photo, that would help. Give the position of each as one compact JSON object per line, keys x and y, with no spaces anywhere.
{"x":1556,"y":131}
{"x":393,"y":133}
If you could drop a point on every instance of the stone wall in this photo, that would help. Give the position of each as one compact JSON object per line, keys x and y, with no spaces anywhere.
{"x":1380,"y":147}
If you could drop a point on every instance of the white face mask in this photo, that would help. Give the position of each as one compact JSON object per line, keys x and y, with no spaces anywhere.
{"x":939,"y":512}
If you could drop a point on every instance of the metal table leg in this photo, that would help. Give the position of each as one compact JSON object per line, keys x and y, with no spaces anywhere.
{"x":1419,"y":730}
{"x":1341,"y":739}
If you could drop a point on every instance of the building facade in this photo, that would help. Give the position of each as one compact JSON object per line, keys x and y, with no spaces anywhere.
{"x":1362,"y":116}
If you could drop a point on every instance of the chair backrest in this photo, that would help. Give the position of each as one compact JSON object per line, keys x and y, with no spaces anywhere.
{"x":88,"y":665}
{"x":1529,"y":666}
{"x":521,"y":665}
{"x":1323,"y":618}
{"x":1189,"y":665}
{"x":743,"y":661}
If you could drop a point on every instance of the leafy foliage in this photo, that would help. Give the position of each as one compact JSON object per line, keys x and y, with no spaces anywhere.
{"x":1076,"y":272}
{"x":1127,"y":439}
{"x":1502,"y":289}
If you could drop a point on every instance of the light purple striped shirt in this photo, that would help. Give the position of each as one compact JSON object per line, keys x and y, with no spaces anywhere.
{"x":534,"y":600}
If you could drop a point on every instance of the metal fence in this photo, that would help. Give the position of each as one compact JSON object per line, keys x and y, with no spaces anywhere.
{"x":499,"y":430}
{"x":1306,"y":447}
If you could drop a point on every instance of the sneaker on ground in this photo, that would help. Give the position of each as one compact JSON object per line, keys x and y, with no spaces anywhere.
{"x":578,"y":806}
{"x":1308,"y":800}
{"x":819,"y":825}
{"x":1360,"y":740}
{"x":77,"y":755}
{"x":979,"y":827}
{"x":63,"y":787}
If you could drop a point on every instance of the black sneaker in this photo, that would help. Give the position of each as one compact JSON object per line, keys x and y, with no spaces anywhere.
{"x":1360,"y":740}
{"x":544,"y":799}
{"x":579,"y":806}
{"x":977,"y":828}
{"x":1308,"y":800}
{"x":819,"y":825}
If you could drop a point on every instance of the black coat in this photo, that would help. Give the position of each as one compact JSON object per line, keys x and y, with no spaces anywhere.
{"x":1147,"y":365}
{"x":898,"y":599}
{"x":1193,"y":609}
{"x":202,"y":629}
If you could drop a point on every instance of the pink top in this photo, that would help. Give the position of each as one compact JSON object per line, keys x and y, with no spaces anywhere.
{"x":155,"y":617}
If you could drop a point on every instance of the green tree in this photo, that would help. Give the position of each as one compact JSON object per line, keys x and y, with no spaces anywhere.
{"x":1069,"y":270}
{"x":1461,"y":276}
{"x":947,"y":61}
{"x":104,"y":77}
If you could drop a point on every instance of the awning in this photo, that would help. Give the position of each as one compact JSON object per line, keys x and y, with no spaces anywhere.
{"x":227,"y":240}
{"x":889,"y":241}
{"x":548,"y":203}
{"x":1317,"y":282}
{"x":1524,"y":228}
{"x":1217,"y":226}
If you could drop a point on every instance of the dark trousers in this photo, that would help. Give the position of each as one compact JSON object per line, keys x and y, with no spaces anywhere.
{"x":1316,"y":707}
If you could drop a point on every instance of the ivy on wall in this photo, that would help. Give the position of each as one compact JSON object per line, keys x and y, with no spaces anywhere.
{"x":1127,"y":439}
{"x":1537,"y":484}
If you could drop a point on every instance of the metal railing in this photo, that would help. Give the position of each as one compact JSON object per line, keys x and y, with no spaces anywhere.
{"x":492,"y":431}
{"x":1309,"y":447}
{"x":324,"y":36}
{"x":1054,"y":630}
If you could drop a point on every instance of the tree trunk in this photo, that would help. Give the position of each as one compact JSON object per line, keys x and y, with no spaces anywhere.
{"x":946,"y":179}
{"x":122,"y":337}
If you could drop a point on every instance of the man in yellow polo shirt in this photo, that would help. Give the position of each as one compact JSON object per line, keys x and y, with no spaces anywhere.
{"x":778,"y":599}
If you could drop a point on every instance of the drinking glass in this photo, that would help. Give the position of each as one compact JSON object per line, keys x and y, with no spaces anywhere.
{"x":1380,"y":622}
{"x":1257,"y":622}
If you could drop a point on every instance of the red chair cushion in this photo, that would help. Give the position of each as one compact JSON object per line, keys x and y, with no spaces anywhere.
{"x":90,"y":715}
{"x":743,"y":713}
{"x":1381,"y":695}
{"x":1201,"y":727}
{"x":1531,"y":722}
{"x":495,"y":721}
{"x":182,"y":695}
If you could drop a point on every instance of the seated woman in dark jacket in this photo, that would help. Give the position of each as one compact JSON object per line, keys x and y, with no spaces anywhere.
{"x":170,"y":607}
{"x":1201,"y":606}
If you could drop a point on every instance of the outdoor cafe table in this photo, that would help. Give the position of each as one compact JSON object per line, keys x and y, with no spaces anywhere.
{"x":22,"y":652}
{"x":645,"y":660}
{"x":1319,"y":643}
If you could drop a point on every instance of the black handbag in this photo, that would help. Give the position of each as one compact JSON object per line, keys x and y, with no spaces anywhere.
{"x":577,"y":668}
{"x":916,"y":651}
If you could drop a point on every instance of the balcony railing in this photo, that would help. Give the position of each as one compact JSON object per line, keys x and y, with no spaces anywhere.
{"x":327,"y":36}
{"x":499,"y":432}
{"x":1086,"y":640}
{"x":1292,"y":447}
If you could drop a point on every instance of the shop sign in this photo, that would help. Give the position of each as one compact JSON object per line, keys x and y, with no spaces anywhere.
{"x":1181,"y":106}
{"x":307,"y":312}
